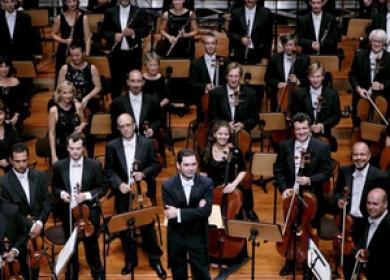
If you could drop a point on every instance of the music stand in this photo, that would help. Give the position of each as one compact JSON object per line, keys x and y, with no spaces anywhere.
{"x":244,"y":229}
{"x":128,"y":221}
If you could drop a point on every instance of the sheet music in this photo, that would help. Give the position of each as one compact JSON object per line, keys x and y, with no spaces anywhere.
{"x":66,"y":253}
{"x":321,"y":268}
{"x":215,"y":217}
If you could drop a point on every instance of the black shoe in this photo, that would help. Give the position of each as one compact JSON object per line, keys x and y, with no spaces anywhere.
{"x":98,"y":274}
{"x":287,"y":269}
{"x":251,"y":215}
{"x":159,"y":269}
{"x":127,"y":269}
{"x":307,"y":274}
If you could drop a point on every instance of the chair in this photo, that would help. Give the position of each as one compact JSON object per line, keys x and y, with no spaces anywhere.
{"x":262,"y":167}
{"x":100,"y":127}
{"x":371,"y":131}
{"x":25,"y":69}
{"x":330,"y":62}
{"x":271,"y":122}
{"x":253,"y":75}
{"x":94,"y":20}
{"x":357,"y":27}
{"x":222,"y":46}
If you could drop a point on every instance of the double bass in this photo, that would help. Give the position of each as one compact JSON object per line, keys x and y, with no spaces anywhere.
{"x":299,"y":209}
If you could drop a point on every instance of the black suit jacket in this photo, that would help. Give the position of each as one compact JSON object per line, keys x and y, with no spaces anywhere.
{"x":150,"y":111}
{"x":329,"y":115}
{"x":261,"y":31}
{"x":40,"y":202}
{"x":112,"y":25}
{"x":375,"y":178}
{"x":378,"y":21}
{"x":306,"y":34}
{"x":116,"y":169}
{"x":318,"y":170}
{"x":20,"y":46}
{"x":247,"y":111}
{"x":194,"y":219}
{"x":378,"y":250}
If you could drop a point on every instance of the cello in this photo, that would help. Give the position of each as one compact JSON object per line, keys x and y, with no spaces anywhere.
{"x":299,"y":209}
{"x":221,"y":245}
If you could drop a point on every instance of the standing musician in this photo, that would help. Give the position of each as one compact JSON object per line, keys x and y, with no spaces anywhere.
{"x":370,"y":71}
{"x":141,"y":106}
{"x":178,"y":29}
{"x":284,"y":68}
{"x":250,"y":33}
{"x":320,"y":102}
{"x":206,"y":73}
{"x":78,"y":181}
{"x":124,"y":27}
{"x":26,"y":188}
{"x":234,"y":103}
{"x":120,"y":156}
{"x":187,"y":198}
{"x":317,"y":31}
{"x":220,"y":152}
{"x":374,"y":245}
{"x":359,"y":178}
{"x":317,"y":172}
{"x":381,"y":20}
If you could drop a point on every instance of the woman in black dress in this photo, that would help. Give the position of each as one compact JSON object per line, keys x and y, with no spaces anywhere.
{"x":70,"y":26}
{"x":178,"y":29}
{"x":65,"y":117}
{"x":11,"y":93}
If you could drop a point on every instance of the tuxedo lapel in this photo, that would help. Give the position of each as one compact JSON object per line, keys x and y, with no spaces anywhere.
{"x":18,"y":187}
{"x":290,"y":156}
{"x":181,"y":197}
{"x":244,"y":20}
{"x":324,"y":25}
{"x":66,"y":175}
{"x":85,"y":174}
{"x":117,"y":19}
{"x":225,"y":101}
{"x":280,"y":65}
{"x":32,"y":181}
{"x":204,"y":70}
{"x":120,"y":151}
{"x":309,"y":103}
{"x":144,"y":109}
{"x":138,"y":149}
{"x":3,"y":226}
{"x":127,"y":105}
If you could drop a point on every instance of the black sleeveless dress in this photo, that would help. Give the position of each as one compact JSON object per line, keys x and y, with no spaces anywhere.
{"x":157,"y":89}
{"x":81,"y":79}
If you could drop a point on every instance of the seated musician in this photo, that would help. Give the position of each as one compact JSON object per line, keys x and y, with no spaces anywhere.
{"x":317,"y":172}
{"x":370,"y":71}
{"x":250,"y":33}
{"x":317,"y":31}
{"x":374,"y":245}
{"x":27,"y":188}
{"x":120,"y":156}
{"x":320,"y":102}
{"x":204,"y":71}
{"x":287,"y":67}
{"x":79,"y":180}
{"x":359,"y":178}
{"x":234,"y":103}
{"x":178,"y":29}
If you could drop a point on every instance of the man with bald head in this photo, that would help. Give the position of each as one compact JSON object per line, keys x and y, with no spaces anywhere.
{"x":375,"y":236}
{"x":121,"y":153}
{"x":144,"y":108}
{"x":357,"y":180}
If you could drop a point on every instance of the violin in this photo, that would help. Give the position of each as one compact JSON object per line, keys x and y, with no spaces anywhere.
{"x":11,"y":270}
{"x":36,"y":250}
{"x":343,"y":242}
{"x":81,"y":215}
{"x":299,"y":209}
{"x":221,"y":245}
{"x":139,"y":191}
{"x":318,"y":108}
{"x":363,"y":254}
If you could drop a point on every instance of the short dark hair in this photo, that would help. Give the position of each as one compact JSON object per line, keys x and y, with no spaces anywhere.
{"x":8,"y":62}
{"x":3,"y":107}
{"x":19,"y":147}
{"x":76,"y":136}
{"x":77,"y":45}
{"x":186,"y":152}
{"x":287,"y":37}
{"x":300,"y":117}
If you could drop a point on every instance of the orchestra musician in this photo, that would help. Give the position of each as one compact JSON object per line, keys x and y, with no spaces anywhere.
{"x":286,"y":67}
{"x":187,"y":198}
{"x":317,"y":172}
{"x":320,"y":102}
{"x":189,"y":4}
{"x":240,"y":111}
{"x":368,"y":9}
{"x":28,"y":189}
{"x":360,"y":178}
{"x":317,"y":31}
{"x":120,"y":156}
{"x":380,"y":20}
{"x":124,"y":28}
{"x":250,"y":33}
{"x":78,"y":171}
{"x":178,"y":29}
{"x":370,"y":70}
{"x":204,"y":71}
{"x":374,"y":238}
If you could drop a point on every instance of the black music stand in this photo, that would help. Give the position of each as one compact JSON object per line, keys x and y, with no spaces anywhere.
{"x":252,"y":231}
{"x":127,"y":221}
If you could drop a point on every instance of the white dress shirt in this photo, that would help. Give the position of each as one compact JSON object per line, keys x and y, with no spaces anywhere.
{"x":299,"y":147}
{"x":315,"y":94}
{"x":287,"y":63}
{"x":317,"y":24}
{"x":358,"y":180}
{"x":250,"y":18}
{"x":124,"y":13}
{"x":136,"y":104}
{"x":373,"y":61}
{"x":388,"y":30}
{"x":23,"y":180}
{"x":374,"y":223}
{"x":187,"y":186}
{"x":210,"y":63}
{"x":230,"y":93}
{"x":11,"y":19}
{"x":75,"y":177}
{"x":129,"y":148}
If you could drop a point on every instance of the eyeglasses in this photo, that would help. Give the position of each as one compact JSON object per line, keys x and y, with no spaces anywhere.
{"x":126,"y":125}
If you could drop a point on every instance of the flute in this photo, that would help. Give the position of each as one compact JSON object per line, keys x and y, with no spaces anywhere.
{"x":130,"y":22}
